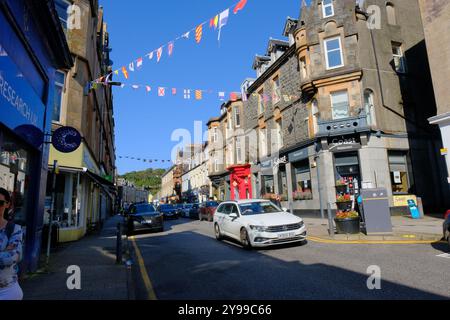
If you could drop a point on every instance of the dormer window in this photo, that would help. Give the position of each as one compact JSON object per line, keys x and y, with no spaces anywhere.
{"x":327,"y":8}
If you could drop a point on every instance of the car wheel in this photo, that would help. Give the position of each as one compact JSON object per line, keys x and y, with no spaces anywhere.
{"x":217,"y":232}
{"x":245,"y":240}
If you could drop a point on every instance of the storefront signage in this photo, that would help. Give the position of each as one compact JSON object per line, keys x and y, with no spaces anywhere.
{"x":279,"y":161}
{"x":344,"y":143}
{"x":66,"y":139}
{"x":266,"y":164}
{"x":298,"y":155}
{"x":19,"y":104}
{"x":89,"y":162}
{"x":402,"y":201}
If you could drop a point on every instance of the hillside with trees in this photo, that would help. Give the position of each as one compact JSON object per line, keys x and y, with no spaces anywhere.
{"x":149,"y":179}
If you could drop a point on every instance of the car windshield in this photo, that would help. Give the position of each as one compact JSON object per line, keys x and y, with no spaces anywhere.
{"x":145,"y":208}
{"x":212,"y":204}
{"x":254,"y":208}
{"x":188,"y":205}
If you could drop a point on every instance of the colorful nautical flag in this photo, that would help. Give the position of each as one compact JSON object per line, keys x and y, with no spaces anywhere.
{"x":233,"y":96}
{"x":161,"y":92}
{"x":199,"y":33}
{"x":214,"y":22}
{"x":131,"y":67}
{"x":125,"y":72}
{"x":159,"y":53}
{"x":170,"y":48}
{"x":148,"y":88}
{"x":186,"y":35}
{"x":222,"y":96}
{"x":139,"y":62}
{"x":223,"y":20}
{"x":187,"y":93}
{"x":198,"y":94}
{"x":240,"y":6}
{"x":174,"y":91}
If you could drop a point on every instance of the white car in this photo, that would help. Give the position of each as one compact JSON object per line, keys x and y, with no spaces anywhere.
{"x":257,"y":223}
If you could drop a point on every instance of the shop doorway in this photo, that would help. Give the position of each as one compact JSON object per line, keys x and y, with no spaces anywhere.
{"x":348,"y":180}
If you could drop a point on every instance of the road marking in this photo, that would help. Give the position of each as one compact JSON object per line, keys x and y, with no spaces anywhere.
{"x":444,"y":255}
{"x":148,"y":284}
{"x":320,"y":240}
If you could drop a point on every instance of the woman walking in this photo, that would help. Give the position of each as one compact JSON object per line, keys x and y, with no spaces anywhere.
{"x":10,"y":251}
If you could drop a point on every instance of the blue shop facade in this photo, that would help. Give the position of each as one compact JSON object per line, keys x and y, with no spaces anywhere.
{"x":32,"y":47}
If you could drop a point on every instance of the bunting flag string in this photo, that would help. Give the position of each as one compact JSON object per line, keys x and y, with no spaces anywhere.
{"x":144,"y":159}
{"x":199,"y":94}
{"x":217,"y":22}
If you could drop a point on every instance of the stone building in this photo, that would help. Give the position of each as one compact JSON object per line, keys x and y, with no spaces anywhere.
{"x":227,"y":166}
{"x":85,"y":191}
{"x":196,"y":186}
{"x":343,"y":103}
{"x":167,"y":185}
{"x":436,"y":20}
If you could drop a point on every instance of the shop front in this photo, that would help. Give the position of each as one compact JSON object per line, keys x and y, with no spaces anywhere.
{"x":240,"y":182}
{"x":28,"y":59}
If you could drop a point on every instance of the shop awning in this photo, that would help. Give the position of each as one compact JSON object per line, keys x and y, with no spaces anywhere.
{"x":107,"y":185}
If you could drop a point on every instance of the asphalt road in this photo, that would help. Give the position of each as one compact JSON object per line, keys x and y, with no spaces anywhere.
{"x":186,"y":262}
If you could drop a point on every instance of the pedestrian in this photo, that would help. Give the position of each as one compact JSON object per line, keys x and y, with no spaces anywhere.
{"x":10,"y":251}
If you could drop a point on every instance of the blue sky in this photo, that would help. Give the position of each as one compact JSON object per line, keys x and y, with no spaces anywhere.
{"x":144,"y":121}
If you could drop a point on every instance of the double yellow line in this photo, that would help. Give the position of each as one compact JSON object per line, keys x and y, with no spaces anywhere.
{"x":151,"y":295}
{"x":320,"y":240}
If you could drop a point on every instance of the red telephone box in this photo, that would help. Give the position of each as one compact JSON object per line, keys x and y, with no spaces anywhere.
{"x":240,"y":182}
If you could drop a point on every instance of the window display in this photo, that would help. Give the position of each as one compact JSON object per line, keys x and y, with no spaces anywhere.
{"x":302,"y":181}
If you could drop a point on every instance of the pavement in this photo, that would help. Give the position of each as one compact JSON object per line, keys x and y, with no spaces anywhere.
{"x":101,"y":277}
{"x":405,"y":230}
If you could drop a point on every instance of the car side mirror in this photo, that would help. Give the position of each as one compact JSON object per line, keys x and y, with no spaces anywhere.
{"x":286,"y":210}
{"x":233,"y":215}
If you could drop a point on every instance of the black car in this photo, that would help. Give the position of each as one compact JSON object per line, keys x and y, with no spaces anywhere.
{"x":144,"y":216}
{"x":447,"y":227}
{"x":194,"y":211}
{"x":169,"y":211}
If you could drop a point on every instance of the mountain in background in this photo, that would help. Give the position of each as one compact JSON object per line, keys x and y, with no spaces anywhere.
{"x":149,"y":179}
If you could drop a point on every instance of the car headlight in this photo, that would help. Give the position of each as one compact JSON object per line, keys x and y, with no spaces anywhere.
{"x":258,"y":228}
{"x":302,"y":224}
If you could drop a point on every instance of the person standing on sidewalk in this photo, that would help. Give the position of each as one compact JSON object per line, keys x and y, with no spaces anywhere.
{"x":10,"y":251}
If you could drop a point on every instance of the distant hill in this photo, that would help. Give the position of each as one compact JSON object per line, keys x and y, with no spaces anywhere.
{"x":150,"y":178}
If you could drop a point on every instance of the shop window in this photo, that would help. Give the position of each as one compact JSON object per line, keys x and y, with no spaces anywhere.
{"x":282,"y":183}
{"x":239,"y":150}
{"x":340,"y":104}
{"x":62,"y":7}
{"x":66,"y":211}
{"x":237,"y":117}
{"x":59,"y":92}
{"x":400,"y":177}
{"x":15,"y":175}
{"x":268,"y":185}
{"x":301,"y":180}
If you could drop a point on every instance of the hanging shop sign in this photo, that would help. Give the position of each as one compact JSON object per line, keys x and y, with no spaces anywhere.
{"x":66,"y":139}
{"x":280,"y":161}
{"x":344,"y":143}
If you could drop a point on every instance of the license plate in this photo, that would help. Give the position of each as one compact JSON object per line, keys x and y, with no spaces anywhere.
{"x":286,"y":235}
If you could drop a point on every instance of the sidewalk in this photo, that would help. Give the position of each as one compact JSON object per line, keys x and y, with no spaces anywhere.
{"x":405,"y":230}
{"x":101,"y":277}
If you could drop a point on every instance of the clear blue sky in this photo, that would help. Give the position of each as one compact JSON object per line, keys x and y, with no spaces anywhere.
{"x":145,"y":122}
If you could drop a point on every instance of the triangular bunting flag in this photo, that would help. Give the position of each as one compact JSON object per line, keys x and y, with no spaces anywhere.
{"x":139,"y":62}
{"x":125,"y":72}
{"x":240,"y":6}
{"x":159,"y":53}
{"x":170,"y":48}
{"x":199,"y":33}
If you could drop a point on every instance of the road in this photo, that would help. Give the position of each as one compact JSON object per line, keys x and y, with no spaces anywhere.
{"x":186,"y":262}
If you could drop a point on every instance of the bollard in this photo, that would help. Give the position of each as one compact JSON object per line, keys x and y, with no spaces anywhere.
{"x":330,"y":221}
{"x":119,"y":244}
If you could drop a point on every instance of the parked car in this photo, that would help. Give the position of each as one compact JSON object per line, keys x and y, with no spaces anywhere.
{"x":184,"y":210}
{"x":179,"y":209}
{"x":207,"y":210}
{"x":144,"y":216}
{"x":447,"y":227}
{"x":169,"y":211}
{"x":257,"y":223}
{"x":194,"y":211}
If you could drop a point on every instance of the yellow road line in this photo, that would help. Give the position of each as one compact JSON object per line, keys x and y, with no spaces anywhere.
{"x":320,"y":240}
{"x":148,"y":284}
